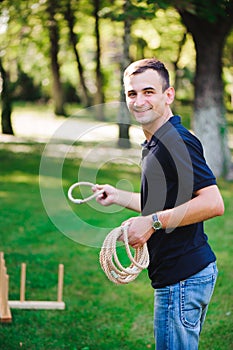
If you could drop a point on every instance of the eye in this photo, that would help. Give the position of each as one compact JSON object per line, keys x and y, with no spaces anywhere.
{"x":149,"y":92}
{"x":131,"y":94}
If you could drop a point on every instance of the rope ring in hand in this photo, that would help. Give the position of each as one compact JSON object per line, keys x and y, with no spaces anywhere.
{"x":84,"y":200}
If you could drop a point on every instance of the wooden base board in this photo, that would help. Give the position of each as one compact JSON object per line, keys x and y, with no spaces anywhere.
{"x":37,"y":305}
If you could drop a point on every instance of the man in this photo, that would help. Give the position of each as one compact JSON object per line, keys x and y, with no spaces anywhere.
{"x":178,"y":193}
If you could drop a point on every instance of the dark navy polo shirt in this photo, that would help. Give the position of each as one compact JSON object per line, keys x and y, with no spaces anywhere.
{"x":173,"y":168}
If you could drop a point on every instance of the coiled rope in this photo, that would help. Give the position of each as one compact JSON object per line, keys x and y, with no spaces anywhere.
{"x":110,"y":263}
{"x":108,"y":257}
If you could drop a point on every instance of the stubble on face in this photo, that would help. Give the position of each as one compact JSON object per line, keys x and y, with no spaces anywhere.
{"x":144,"y":97}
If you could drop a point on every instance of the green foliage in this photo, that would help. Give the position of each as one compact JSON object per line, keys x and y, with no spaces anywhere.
{"x":130,"y":9}
{"x":156,"y":31}
{"x":210,"y":10}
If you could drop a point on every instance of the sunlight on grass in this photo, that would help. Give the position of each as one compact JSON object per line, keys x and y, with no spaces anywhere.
{"x":18,"y":177}
{"x":98,"y":315}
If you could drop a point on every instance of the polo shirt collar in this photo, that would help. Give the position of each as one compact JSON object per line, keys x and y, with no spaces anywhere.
{"x":174,"y":120}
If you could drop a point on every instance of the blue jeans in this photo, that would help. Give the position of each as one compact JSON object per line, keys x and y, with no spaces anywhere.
{"x":180,"y":310}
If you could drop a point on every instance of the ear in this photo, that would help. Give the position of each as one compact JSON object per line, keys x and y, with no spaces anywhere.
{"x":170,"y":95}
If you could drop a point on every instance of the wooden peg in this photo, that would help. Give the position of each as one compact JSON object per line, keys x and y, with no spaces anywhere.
{"x":22,"y":282}
{"x":60,"y":282}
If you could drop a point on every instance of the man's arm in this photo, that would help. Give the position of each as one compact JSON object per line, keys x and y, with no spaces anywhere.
{"x":112,"y":195}
{"x":207,"y":204}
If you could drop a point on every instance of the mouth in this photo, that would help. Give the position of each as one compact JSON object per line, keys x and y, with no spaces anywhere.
{"x":141,"y":109}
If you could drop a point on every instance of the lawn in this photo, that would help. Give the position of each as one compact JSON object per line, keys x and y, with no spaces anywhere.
{"x":98,"y":315}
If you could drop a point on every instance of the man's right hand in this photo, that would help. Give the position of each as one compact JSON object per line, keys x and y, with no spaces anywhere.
{"x":114,"y":195}
{"x":108,"y":197}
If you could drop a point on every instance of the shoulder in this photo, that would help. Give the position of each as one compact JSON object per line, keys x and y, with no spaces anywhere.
{"x":191,"y":141}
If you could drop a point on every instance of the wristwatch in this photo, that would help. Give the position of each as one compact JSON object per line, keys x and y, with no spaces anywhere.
{"x":157,"y":225}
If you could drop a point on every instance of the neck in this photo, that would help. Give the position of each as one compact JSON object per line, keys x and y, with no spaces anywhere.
{"x":150,"y":128}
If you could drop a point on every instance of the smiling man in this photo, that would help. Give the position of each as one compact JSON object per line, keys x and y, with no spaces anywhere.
{"x":148,"y":97}
{"x":178,"y":193}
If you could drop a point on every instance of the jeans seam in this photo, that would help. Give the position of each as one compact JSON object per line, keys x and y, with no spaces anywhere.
{"x":168,"y":336}
{"x":182,"y":307}
{"x":210,"y":278}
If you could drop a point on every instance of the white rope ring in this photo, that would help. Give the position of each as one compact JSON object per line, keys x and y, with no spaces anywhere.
{"x":84,"y":200}
{"x":110,"y":263}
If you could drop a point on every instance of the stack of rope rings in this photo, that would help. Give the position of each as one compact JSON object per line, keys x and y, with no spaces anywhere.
{"x":108,"y":254}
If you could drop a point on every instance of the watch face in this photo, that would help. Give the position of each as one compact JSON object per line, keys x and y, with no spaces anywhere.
{"x":157,"y":225}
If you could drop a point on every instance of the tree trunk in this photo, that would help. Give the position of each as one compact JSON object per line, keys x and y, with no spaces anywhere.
{"x":123,"y":114}
{"x":209,"y":118}
{"x":74,"y":41}
{"x":58,"y":96}
{"x":209,"y":114}
{"x":99,"y":96}
{"x":6,"y":103}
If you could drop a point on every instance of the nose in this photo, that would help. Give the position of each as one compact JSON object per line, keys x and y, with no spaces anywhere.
{"x":139,"y":101}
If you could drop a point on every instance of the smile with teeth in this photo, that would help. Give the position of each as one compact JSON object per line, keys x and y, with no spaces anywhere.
{"x":141,"y":109}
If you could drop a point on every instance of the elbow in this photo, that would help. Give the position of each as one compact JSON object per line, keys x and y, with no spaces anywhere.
{"x":219,"y":208}
{"x":216,"y":202}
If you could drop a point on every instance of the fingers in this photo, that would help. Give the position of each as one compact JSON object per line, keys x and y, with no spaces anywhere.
{"x":106,"y":196}
{"x":139,"y":231}
{"x":127,"y":222}
{"x":97,"y":187}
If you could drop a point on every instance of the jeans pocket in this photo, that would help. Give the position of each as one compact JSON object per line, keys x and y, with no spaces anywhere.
{"x":195,"y":295}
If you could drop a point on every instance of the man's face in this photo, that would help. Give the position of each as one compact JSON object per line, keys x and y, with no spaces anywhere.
{"x":145,"y":98}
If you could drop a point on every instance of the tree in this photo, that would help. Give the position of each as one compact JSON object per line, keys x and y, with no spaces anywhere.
{"x":73,"y":37}
{"x":6,"y":102}
{"x":209,"y":23}
{"x":209,"y":27}
{"x":99,"y":96}
{"x":123,"y":115}
{"x":54,"y":49}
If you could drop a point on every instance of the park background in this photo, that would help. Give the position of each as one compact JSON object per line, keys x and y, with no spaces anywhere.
{"x":64,"y":60}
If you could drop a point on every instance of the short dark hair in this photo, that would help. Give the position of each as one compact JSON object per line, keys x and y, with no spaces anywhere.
{"x":141,"y":66}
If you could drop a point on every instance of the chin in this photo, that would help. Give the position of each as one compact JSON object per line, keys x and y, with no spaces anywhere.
{"x":144,"y":120}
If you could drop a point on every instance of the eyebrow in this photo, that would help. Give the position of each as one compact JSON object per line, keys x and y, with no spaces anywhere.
{"x":148,"y":88}
{"x":145,"y":89}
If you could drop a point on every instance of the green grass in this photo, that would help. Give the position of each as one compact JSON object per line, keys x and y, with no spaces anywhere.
{"x":99,"y":315}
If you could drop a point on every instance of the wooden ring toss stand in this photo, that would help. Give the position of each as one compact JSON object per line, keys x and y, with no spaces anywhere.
{"x":6,"y":305}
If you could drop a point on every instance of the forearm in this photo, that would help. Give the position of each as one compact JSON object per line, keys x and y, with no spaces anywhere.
{"x":207,"y":204}
{"x":130,"y":200}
